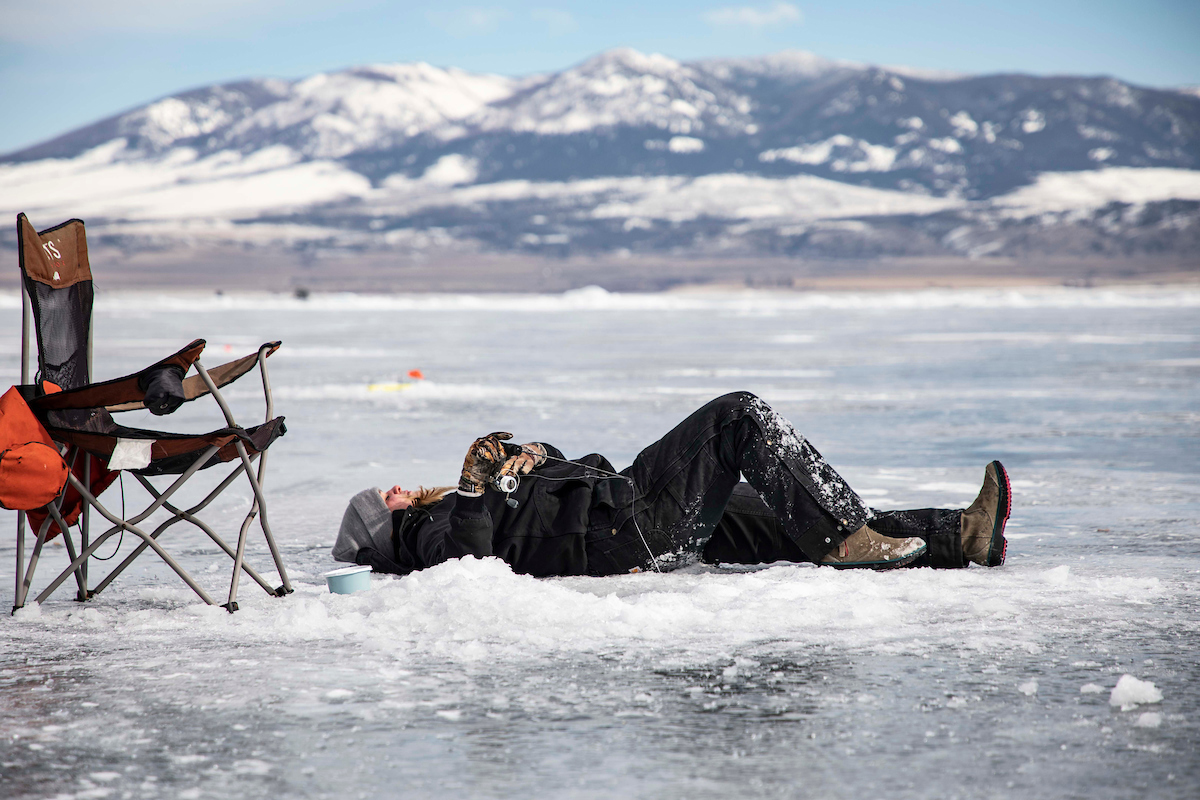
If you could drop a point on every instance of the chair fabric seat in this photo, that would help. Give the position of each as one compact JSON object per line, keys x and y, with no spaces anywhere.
{"x":95,"y":431}
{"x":173,"y":453}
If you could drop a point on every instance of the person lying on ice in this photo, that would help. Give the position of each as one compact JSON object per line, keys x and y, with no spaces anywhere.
{"x":678,"y":503}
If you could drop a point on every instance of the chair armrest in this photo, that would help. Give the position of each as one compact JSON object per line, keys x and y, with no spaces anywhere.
{"x":223,"y":375}
{"x":227,"y":373}
{"x":123,"y":393}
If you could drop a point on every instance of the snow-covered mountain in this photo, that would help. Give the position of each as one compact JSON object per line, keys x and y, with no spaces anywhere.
{"x":788,"y":154}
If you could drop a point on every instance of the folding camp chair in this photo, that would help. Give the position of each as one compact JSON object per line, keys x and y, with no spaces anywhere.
{"x":77,"y":415}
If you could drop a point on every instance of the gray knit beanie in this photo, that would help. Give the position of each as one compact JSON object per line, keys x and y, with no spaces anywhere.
{"x":366,"y":523}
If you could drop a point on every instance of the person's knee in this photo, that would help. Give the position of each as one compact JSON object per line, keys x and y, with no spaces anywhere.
{"x":737,"y":401}
{"x":729,"y":408}
{"x":748,"y":406}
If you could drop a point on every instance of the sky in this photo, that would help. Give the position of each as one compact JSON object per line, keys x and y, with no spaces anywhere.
{"x":67,"y":63}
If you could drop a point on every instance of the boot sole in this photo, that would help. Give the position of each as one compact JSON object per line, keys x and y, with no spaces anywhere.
{"x":998,"y":548}
{"x":879,"y":565}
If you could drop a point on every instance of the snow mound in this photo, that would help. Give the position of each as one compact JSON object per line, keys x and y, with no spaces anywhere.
{"x":477,"y":611}
{"x":1131,"y":692}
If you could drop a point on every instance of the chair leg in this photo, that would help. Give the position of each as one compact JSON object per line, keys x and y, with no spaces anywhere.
{"x":131,"y":526}
{"x":17,"y":599}
{"x":81,"y":571}
{"x":83,"y":556}
{"x":24,"y":581}
{"x":259,"y":507}
{"x":33,"y":561}
{"x":260,"y":503}
{"x":182,"y":516}
{"x":80,"y":580}
{"x":187,"y":516}
{"x":178,"y":515}
{"x":163,"y":554}
{"x":161,"y":499}
{"x":85,"y":524}
{"x":286,"y":588}
{"x":269,"y":399}
{"x":232,"y":605}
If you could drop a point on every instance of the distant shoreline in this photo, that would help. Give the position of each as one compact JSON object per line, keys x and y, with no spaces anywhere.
{"x":595,"y":298}
{"x":235,"y":269}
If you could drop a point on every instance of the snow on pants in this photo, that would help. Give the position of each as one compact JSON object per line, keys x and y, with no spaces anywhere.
{"x":682,"y":483}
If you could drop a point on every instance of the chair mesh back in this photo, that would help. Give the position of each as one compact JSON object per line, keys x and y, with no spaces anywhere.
{"x":54,"y":265}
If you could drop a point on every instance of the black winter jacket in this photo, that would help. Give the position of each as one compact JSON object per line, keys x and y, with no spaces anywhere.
{"x":546,"y":534}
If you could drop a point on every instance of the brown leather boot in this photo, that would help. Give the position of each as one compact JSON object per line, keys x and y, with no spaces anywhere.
{"x":983,"y":522}
{"x":867,"y":549}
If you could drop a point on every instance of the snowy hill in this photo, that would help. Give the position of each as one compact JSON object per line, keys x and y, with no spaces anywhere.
{"x":640,"y":153}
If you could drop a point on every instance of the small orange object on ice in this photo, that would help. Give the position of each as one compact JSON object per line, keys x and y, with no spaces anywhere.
{"x":417,"y":374}
{"x":228,"y":348}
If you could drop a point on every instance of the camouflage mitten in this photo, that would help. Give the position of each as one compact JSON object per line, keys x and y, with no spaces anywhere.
{"x":482,"y":462}
{"x":530,"y":457}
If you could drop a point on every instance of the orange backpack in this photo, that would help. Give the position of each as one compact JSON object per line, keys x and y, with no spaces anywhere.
{"x":32,"y":472}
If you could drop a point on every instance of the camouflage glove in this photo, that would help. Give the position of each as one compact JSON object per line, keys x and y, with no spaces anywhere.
{"x":482,"y":462}
{"x":530,"y":457}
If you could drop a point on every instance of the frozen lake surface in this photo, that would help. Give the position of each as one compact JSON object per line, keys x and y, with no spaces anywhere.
{"x":785,"y":681}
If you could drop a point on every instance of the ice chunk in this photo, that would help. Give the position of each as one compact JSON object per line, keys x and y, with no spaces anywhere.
{"x":1149,"y":719}
{"x":1131,"y":692}
{"x":1057,"y":576}
{"x":251,"y":766}
{"x":1029,"y":688}
{"x":189,"y":758}
{"x":1091,"y":688}
{"x":28,"y":613}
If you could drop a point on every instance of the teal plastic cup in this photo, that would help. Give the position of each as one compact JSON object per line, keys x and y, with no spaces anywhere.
{"x":348,"y":580}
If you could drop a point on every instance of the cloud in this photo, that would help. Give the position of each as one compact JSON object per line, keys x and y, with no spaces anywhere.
{"x":468,"y":20}
{"x":778,"y":14}
{"x":558,"y":22}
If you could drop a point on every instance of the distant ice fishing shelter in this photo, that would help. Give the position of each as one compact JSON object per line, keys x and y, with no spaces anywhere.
{"x":60,"y":446}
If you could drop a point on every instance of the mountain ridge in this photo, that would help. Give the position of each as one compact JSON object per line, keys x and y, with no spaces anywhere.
{"x":791,"y":154}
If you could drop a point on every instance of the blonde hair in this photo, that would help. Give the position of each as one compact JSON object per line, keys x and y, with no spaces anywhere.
{"x":427,"y":497}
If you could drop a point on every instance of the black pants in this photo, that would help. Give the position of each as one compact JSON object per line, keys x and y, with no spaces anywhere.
{"x":749,"y":533}
{"x":683,"y":483}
